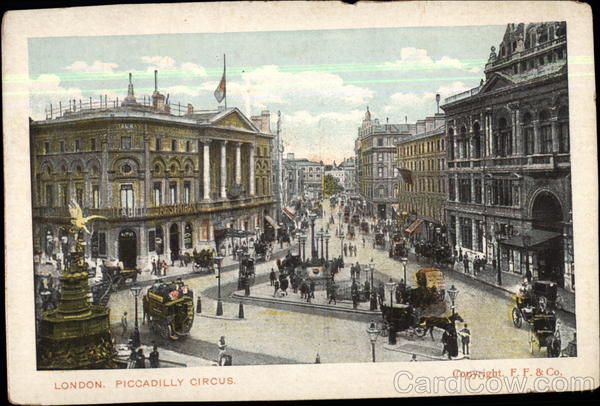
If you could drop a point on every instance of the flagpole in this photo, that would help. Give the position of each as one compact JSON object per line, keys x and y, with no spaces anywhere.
{"x":225,"y":76}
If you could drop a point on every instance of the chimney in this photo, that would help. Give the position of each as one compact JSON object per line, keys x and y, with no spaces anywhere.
{"x":155,"y":80}
{"x":190,"y":109}
{"x":437,"y":100}
{"x":405,"y":119}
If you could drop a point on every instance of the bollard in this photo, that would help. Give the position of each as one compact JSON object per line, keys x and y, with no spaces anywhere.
{"x":318,"y":359}
{"x":199,"y":304}
{"x":241,"y":312}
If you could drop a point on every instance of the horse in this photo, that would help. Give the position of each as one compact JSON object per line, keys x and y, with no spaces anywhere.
{"x":443,"y":322}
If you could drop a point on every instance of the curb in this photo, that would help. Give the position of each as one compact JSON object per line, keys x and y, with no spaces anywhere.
{"x":302,"y":304}
{"x":433,"y":357}
{"x":219,"y":317}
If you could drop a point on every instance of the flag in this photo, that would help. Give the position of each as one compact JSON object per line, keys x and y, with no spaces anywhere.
{"x":406,"y":175}
{"x":221,"y":90}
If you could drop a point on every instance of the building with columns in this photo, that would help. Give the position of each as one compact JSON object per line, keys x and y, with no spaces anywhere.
{"x":422,"y":198}
{"x":377,"y":177}
{"x":509,"y":170}
{"x":164,"y":181}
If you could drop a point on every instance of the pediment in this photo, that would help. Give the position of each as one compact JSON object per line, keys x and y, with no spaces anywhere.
{"x":236,"y":120}
{"x":496,"y":82}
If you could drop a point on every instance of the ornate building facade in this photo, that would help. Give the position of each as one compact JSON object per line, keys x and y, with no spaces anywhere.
{"x":164,"y":182}
{"x":376,"y":172}
{"x":509,"y":171}
{"x":423,"y":199}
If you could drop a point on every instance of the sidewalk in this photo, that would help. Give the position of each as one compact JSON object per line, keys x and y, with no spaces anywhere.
{"x":510,"y":282}
{"x":167,"y":358}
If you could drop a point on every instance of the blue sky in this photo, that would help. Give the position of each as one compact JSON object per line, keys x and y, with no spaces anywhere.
{"x":321,"y":81}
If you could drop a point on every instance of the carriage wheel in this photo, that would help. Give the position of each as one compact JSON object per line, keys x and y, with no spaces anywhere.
{"x":517,"y":318}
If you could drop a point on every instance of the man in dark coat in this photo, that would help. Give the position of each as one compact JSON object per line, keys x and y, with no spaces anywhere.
{"x":154,"y":357}
{"x":140,"y":360}
{"x":272,"y":276}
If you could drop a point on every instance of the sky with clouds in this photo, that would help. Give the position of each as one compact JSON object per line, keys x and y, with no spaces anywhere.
{"x":321,"y":81}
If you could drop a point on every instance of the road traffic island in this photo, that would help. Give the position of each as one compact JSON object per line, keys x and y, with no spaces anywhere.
{"x":422,"y":349}
{"x":264,"y":294}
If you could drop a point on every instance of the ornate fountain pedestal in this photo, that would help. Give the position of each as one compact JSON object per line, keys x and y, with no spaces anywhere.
{"x":75,"y":335}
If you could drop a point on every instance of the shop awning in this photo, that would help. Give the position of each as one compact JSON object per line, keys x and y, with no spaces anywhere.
{"x":536,"y":238}
{"x":288,"y":212}
{"x":414,"y":226}
{"x":272,"y":222}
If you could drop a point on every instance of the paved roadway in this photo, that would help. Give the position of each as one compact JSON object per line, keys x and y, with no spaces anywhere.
{"x":281,"y":334}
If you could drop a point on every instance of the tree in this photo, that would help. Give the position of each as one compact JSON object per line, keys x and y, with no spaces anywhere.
{"x":331,"y":186}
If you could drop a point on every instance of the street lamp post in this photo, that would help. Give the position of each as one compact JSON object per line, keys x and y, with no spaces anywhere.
{"x":240,"y":253}
{"x":135,"y":291}
{"x":499,"y":257}
{"x":392,"y":330}
{"x":453,"y":344}
{"x":404,"y":261}
{"x":342,"y":247}
{"x":373,"y":298}
{"x":339,"y":220}
{"x":313,"y":251}
{"x":219,"y":259}
{"x":526,"y":243}
{"x":453,"y":292}
{"x":322,"y":236}
{"x":373,"y":333}
{"x":302,"y":239}
{"x":327,"y":236}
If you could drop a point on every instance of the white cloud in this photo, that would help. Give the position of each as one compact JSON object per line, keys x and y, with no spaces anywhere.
{"x":46,"y":89}
{"x":418,"y":59}
{"x":94,"y":67}
{"x":159,"y":62}
{"x":194,"y":69}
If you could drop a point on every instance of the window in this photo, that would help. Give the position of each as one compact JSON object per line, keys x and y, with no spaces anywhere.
{"x":77,"y":145}
{"x":464,"y":190}
{"x":502,"y":192}
{"x":380,"y":142}
{"x":125,"y":143}
{"x":79,"y":195}
{"x":46,"y":147}
{"x":186,"y":191}
{"x":188,"y":146}
{"x":380,"y":171}
{"x":151,"y":240}
{"x":92,"y":144}
{"x":49,"y":196}
{"x":452,"y":189}
{"x":173,"y":145}
{"x":478,"y":194}
{"x":127,"y":197}
{"x":563,"y":130}
{"x":503,"y":139}
{"x":173,"y":192}
{"x":466,"y":232}
{"x":61,"y":146}
{"x":98,"y":244}
{"x":157,"y":144}
{"x":62,"y":195}
{"x":479,"y":231}
{"x":157,"y":193}
{"x":95,"y":196}
{"x":545,"y":133}
{"x":451,"y":144}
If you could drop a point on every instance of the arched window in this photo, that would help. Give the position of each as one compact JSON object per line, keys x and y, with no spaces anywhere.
{"x":528,"y":138}
{"x":545,"y":133}
{"x":503,"y":138}
{"x":462,"y":143}
{"x":563,"y":130}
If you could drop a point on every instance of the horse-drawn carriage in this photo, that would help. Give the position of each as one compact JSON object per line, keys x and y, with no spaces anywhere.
{"x":116,"y":276}
{"x":400,"y":317}
{"x":379,"y":241}
{"x":364,"y":227}
{"x":355,"y":219}
{"x":169,"y":308}
{"x":204,"y":261}
{"x":536,"y":304}
{"x":262,"y":251}
{"x":398,"y":247}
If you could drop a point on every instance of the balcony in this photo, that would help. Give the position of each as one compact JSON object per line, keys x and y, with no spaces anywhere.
{"x":526,"y":162}
{"x":463,"y":95}
{"x":117,"y":213}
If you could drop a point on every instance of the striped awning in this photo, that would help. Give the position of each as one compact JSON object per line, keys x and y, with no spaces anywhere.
{"x":272,"y":222}
{"x":414,"y":226}
{"x":289,"y":213}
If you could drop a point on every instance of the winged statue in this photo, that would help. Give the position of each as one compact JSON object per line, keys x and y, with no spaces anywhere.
{"x":77,"y":218}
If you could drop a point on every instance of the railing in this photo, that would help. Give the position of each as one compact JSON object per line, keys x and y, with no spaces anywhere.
{"x":526,"y":52}
{"x":103,"y":103}
{"x":159,"y":211}
{"x":519,"y":161}
{"x":462,"y":95}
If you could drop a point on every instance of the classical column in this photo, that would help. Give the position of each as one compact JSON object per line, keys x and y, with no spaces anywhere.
{"x":238,"y":163}
{"x":206,"y":157}
{"x":536,"y":137}
{"x":224,"y":169}
{"x":251,"y":163}
{"x":554,"y":132}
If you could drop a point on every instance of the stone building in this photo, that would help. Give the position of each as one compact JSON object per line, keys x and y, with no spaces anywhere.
{"x":509,"y":171}
{"x":376,"y":172}
{"x":163,"y":181}
{"x":422,"y":197}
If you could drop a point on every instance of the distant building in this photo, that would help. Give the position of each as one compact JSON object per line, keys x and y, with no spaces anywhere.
{"x":509,"y":170}
{"x":164,"y":181}
{"x":422,"y":198}
{"x":376,"y":158}
{"x":348,"y":166}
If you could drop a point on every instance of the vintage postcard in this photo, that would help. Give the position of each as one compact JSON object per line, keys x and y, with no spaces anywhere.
{"x":299,"y":200}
